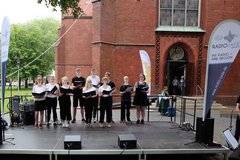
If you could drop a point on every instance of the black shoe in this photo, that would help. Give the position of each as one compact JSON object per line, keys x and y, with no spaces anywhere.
{"x":83,"y":120}
{"x":48,"y":124}
{"x":142,"y":121}
{"x":55,"y":124}
{"x":138,"y":121}
{"x":74,"y":120}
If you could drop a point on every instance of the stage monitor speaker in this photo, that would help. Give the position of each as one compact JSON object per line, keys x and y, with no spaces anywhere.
{"x":127,"y":141}
{"x":205,"y":130}
{"x":72,"y":142}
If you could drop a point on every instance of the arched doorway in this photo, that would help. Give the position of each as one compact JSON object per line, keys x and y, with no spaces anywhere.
{"x":177,"y":62}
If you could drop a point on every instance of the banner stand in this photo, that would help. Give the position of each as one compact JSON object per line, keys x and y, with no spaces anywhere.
{"x":5,"y":42}
{"x":1,"y":128}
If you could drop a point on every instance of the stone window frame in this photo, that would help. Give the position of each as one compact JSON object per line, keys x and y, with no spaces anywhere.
{"x":182,"y":12}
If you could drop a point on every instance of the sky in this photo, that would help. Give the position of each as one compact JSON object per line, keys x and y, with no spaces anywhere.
{"x":22,"y":11}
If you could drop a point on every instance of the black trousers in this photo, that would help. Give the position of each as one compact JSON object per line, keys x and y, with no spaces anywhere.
{"x":105,"y":106}
{"x":125,"y":105}
{"x":88,"y":109}
{"x":237,"y":130}
{"x":65,"y":107}
{"x":51,"y":106}
{"x":95,"y":107}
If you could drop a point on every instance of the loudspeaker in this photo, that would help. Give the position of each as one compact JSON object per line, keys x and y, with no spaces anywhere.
{"x":127,"y":141}
{"x":199,"y":130}
{"x":28,"y":118}
{"x":72,"y":142}
{"x":235,"y":154}
{"x":205,"y":130}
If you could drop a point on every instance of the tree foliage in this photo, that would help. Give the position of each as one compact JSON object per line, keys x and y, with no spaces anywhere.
{"x":65,"y":5}
{"x":30,"y":40}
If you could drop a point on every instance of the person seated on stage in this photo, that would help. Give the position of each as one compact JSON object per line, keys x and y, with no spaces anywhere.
{"x":164,"y":101}
{"x":65,"y":102}
{"x":125,"y":90}
{"x":140,"y":99}
{"x":237,"y":130}
{"x":89,"y":95}
{"x":39,"y":94}
{"x":105,"y":102}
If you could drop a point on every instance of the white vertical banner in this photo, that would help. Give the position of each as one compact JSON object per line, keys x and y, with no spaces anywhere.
{"x":5,"y":41}
{"x":223,"y":47}
{"x":146,"y":66}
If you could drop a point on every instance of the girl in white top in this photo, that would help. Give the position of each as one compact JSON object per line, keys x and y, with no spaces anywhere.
{"x":39,"y":93}
{"x":51,"y":99}
{"x":89,"y":95}
{"x":105,"y":102}
{"x":65,"y":102}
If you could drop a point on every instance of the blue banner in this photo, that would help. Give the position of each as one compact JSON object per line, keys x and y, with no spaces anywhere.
{"x":224,"y":45}
{"x":5,"y":41}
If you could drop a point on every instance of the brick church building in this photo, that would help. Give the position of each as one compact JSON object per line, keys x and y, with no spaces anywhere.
{"x":175,"y":34}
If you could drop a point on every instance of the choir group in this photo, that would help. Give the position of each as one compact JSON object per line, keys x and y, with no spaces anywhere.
{"x":88,"y":94}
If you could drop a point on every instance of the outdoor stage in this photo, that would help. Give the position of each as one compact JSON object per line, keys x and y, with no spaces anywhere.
{"x":154,"y":140}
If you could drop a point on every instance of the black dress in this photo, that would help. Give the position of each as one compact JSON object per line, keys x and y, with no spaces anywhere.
{"x":140,"y":98}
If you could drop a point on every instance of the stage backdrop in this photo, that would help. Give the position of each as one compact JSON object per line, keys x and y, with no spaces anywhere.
{"x":146,"y":65}
{"x":4,"y":55}
{"x":223,"y":47}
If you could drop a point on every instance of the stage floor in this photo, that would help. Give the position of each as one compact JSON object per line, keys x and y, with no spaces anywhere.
{"x":153,"y":138}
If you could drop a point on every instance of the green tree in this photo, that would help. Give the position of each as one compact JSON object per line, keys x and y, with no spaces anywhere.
{"x":28,"y":41}
{"x":65,"y":5}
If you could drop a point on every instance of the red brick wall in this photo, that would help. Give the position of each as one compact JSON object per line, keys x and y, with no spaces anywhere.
{"x":215,"y":12}
{"x":75,"y":48}
{"x":119,"y":29}
{"x":122,"y":35}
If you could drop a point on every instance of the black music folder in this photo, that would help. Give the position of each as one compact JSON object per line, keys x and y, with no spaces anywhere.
{"x":78,"y":83}
{"x":142,"y":88}
{"x":88,"y":94}
{"x":66,"y":91}
{"x":107,"y":92}
{"x":53,"y":90}
{"x":39,"y":94}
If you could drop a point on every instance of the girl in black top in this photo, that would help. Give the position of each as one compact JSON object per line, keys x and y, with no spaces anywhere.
{"x":89,"y":95}
{"x":113,"y":88}
{"x":125,"y":91}
{"x":237,"y":130}
{"x":140,"y":98}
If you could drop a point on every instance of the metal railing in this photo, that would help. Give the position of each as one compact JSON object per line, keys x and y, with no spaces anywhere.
{"x":152,"y":99}
{"x":198,"y":88}
{"x":183,"y":110}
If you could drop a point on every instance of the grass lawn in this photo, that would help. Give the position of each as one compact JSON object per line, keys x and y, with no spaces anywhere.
{"x":8,"y":93}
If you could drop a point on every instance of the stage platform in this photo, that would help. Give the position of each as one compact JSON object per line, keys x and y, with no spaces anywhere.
{"x":154,"y":140}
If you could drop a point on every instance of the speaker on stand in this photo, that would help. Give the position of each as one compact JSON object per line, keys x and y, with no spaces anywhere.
{"x":205,"y":131}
